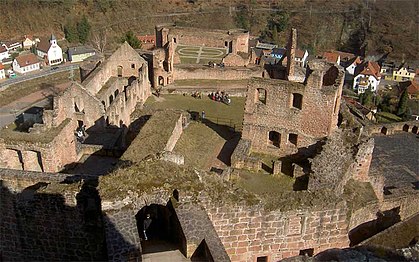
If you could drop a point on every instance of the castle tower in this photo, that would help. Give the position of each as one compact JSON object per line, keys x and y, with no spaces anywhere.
{"x":291,"y":47}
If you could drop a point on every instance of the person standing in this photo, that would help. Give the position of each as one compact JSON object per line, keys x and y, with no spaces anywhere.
{"x":203,"y":116}
{"x":146,"y":225}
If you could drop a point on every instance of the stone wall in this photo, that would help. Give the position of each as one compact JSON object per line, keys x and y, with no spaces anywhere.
{"x":248,"y":233}
{"x":124,"y":62}
{"x":236,"y":38}
{"x":32,"y":153}
{"x":391,"y":128}
{"x":298,"y":115}
{"x":176,"y":133}
{"x":205,"y":72}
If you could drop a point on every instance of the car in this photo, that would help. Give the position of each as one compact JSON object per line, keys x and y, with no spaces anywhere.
{"x":54,"y":68}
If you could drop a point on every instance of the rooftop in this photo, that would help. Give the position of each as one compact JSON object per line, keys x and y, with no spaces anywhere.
{"x":396,"y":157}
{"x":26,"y":60}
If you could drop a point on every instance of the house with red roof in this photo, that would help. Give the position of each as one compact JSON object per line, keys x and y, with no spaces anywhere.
{"x":412,"y":89}
{"x":331,"y":57}
{"x":26,"y":63}
{"x":352,"y":64}
{"x":4,"y":53}
{"x":367,"y":75}
{"x":2,"y":73}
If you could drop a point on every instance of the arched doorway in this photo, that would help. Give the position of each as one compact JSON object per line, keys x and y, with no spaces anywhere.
{"x":415,"y":130}
{"x":384,"y":130}
{"x":406,"y":128}
{"x":164,"y":231}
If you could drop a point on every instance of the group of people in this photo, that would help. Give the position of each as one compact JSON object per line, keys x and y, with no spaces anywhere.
{"x":220,"y":97}
{"x":197,"y":95}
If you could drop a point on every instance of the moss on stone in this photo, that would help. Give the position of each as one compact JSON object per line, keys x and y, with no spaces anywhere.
{"x":44,"y":138}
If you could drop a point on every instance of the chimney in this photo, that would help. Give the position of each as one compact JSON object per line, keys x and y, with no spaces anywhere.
{"x":292,"y":46}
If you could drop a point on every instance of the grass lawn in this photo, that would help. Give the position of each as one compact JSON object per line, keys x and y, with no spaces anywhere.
{"x":386,"y":117}
{"x":23,"y":89}
{"x":265,"y":185}
{"x":217,"y":112}
{"x":197,"y":144}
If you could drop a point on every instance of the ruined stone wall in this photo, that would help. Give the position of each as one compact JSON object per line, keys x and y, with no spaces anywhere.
{"x":315,"y":119}
{"x":204,"y":72}
{"x":176,"y":133}
{"x":248,"y":233}
{"x":235,"y":60}
{"x":32,"y":154}
{"x":38,"y":226}
{"x":78,"y":104}
{"x":239,"y":39}
{"x":391,"y":128}
{"x":409,"y":205}
{"x":125,"y":62}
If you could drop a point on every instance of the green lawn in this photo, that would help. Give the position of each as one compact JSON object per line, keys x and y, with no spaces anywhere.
{"x":386,"y":117}
{"x":217,"y":112}
{"x":197,"y":144}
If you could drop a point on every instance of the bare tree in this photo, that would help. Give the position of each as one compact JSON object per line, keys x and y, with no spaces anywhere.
{"x":99,"y":39}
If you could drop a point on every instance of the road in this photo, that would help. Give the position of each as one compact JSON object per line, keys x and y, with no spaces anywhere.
{"x":43,"y":72}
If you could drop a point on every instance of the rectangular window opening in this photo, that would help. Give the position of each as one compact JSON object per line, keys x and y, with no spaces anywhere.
{"x":262,"y":259}
{"x":292,"y":138}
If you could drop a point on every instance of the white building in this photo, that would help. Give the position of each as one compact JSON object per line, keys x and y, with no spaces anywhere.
{"x":50,"y":51}
{"x":301,"y":57}
{"x":367,"y":75}
{"x":28,"y":42}
{"x":4,"y":54}
{"x":12,"y":45}
{"x":351,"y":65}
{"x":26,"y":63}
{"x":2,"y":72}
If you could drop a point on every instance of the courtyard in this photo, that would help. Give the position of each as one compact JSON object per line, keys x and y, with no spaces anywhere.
{"x":200,"y":54}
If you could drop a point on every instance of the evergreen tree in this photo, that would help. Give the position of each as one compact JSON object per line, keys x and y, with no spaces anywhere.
{"x":402,"y":106}
{"x":275,"y":37}
{"x":70,"y":33}
{"x":242,"y":17}
{"x":83,"y":29}
{"x":132,"y":40}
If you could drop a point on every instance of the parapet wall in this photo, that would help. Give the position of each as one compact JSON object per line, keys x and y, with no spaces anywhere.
{"x":248,"y":233}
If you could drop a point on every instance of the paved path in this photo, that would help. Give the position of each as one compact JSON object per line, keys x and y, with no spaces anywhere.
{"x":167,"y":256}
{"x":8,"y":113}
{"x":43,"y":72}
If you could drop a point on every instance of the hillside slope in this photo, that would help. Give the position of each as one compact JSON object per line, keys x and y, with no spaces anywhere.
{"x":374,"y":26}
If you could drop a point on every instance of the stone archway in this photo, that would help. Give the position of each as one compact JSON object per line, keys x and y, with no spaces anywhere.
{"x":406,"y":128}
{"x":164,"y":232}
{"x":161,"y":81}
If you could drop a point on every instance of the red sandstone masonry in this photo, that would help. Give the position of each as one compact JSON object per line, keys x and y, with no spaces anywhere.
{"x":278,"y":234}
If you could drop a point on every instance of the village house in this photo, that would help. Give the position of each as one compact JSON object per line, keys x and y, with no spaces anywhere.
{"x":403,"y":73}
{"x":301,"y":57}
{"x":331,"y":57}
{"x":367,"y":75}
{"x":12,"y":45}
{"x":50,"y":51}
{"x":2,"y":72}
{"x":4,"y":53}
{"x":79,"y":53}
{"x":26,"y":63}
{"x":28,"y":42}
{"x":412,"y":89}
{"x":351,"y":65}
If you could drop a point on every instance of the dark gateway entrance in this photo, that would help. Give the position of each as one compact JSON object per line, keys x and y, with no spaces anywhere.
{"x":164,"y":232}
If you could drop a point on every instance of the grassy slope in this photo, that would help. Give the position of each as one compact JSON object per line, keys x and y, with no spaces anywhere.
{"x":392,"y":22}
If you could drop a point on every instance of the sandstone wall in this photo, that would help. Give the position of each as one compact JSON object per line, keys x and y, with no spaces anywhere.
{"x":315,"y":119}
{"x":204,"y":72}
{"x":129,"y":62}
{"x":32,"y":154}
{"x":176,"y":133}
{"x":248,"y":233}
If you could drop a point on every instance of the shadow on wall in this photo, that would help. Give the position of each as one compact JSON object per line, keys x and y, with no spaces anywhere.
{"x":368,"y":229}
{"x":39,"y":226}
